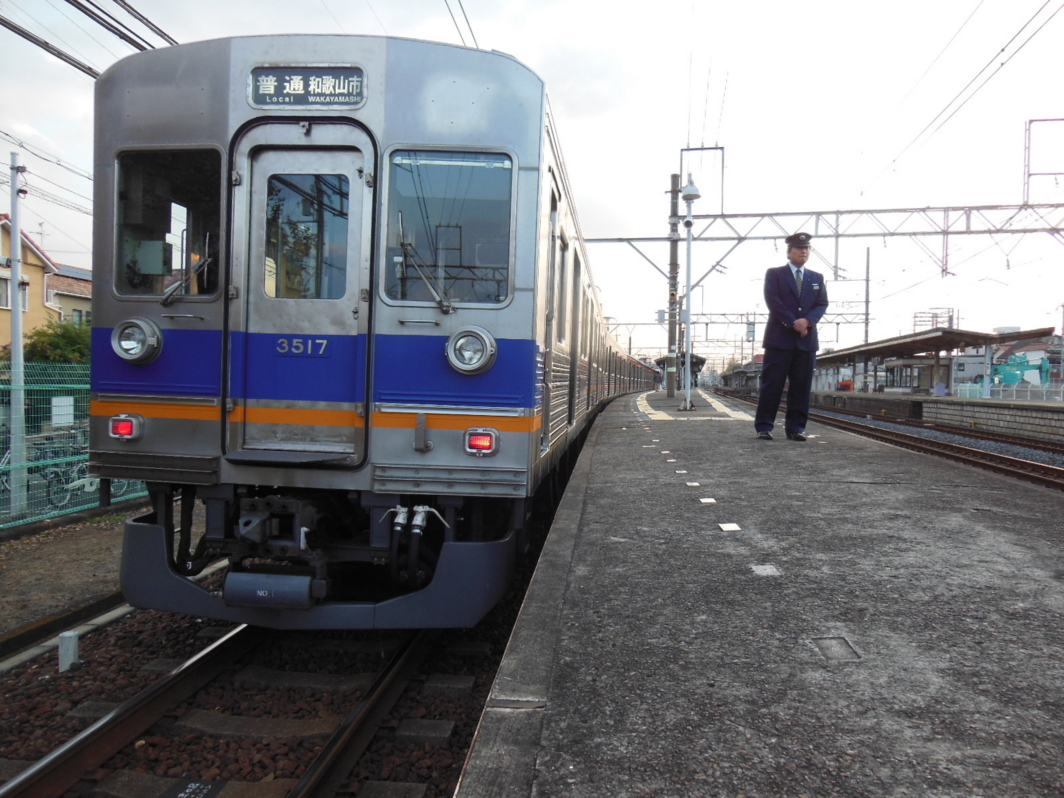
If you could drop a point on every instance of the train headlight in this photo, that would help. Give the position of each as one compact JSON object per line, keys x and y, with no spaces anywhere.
{"x":137,"y":340}
{"x":471,"y":350}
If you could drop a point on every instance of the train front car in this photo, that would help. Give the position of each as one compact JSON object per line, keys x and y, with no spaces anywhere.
{"x":315,"y":316}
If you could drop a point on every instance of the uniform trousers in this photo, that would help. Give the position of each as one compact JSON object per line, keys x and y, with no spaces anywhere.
{"x":780,"y":365}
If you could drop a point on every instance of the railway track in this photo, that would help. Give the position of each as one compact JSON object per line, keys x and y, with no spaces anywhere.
{"x":1045,"y":475}
{"x":995,"y":437}
{"x":63,"y":768}
{"x":90,"y":750}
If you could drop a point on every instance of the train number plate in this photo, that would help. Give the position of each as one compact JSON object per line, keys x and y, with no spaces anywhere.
{"x":300,"y":346}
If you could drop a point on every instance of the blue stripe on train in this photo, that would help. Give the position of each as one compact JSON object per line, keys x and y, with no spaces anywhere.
{"x":409,"y":370}
{"x":190,"y":364}
{"x":413,"y":369}
{"x":265,"y":366}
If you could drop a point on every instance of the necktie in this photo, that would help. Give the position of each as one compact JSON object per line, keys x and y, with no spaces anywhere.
{"x":798,"y":279}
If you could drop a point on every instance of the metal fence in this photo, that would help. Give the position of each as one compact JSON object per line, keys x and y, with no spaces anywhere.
{"x":1014,"y":392}
{"x":55,"y":472}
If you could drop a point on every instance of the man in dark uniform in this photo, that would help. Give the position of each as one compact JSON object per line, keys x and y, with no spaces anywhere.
{"x":797,"y":298}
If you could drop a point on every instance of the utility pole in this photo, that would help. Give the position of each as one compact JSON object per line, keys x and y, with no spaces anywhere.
{"x":17,"y":419}
{"x":867,"y":273}
{"x":674,"y":279}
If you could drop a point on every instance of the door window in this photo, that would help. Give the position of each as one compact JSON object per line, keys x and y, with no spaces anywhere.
{"x":306,"y":236}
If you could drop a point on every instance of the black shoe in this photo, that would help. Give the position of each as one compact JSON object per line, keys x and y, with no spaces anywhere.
{"x":796,"y":436}
{"x":764,"y":436}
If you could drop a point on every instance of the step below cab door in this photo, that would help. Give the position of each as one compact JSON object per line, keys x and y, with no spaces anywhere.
{"x":301,"y":248}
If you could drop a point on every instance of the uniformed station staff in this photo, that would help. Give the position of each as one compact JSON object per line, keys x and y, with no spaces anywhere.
{"x":797,"y":298}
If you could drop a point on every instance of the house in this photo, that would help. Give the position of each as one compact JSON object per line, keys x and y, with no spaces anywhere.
{"x":37,"y":269}
{"x":70,"y":289}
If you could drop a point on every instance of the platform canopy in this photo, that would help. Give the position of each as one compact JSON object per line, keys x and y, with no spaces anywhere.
{"x":697,"y":362}
{"x":927,"y":342}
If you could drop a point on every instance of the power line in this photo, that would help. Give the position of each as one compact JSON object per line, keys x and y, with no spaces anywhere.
{"x":76,"y":23}
{"x":468,"y":25}
{"x":145,"y":21}
{"x":45,"y":156}
{"x":48,"y":47}
{"x":118,"y":22}
{"x":331,"y":14}
{"x":1000,"y":67}
{"x":455,"y":21}
{"x":947,"y":106}
{"x":930,"y":66}
{"x":100,"y":20}
{"x":374,"y":12}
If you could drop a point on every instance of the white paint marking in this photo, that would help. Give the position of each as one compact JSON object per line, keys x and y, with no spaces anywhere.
{"x":766,"y":570}
{"x":708,"y":501}
{"x":729,"y":528}
{"x":694,"y":485}
{"x":681,"y":472}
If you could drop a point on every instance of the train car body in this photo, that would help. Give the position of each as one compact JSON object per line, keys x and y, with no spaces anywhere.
{"x":341,"y":301}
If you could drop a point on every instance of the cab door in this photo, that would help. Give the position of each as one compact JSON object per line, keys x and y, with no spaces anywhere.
{"x":298,"y":368}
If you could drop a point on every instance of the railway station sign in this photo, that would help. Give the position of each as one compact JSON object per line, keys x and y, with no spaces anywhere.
{"x":307,"y":87}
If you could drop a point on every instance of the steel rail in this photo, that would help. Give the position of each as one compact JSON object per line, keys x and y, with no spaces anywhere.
{"x":968,"y":432}
{"x":62,"y":768}
{"x":1045,"y":475}
{"x":1026,"y":470}
{"x":349,"y":741}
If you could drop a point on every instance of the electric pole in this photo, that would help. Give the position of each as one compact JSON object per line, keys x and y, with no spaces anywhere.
{"x":674,"y":279}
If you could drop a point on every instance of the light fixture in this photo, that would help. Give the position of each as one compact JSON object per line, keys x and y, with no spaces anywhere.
{"x":471,"y":350}
{"x":137,"y":340}
{"x":126,"y":427}
{"x":481,"y":441}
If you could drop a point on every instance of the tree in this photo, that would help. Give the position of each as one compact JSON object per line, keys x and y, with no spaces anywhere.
{"x":56,"y":342}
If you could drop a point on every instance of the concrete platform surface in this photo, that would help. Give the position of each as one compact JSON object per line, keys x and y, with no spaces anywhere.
{"x":845,"y":619}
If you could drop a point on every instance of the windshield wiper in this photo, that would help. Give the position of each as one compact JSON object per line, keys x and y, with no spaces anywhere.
{"x":408,"y":257}
{"x":170,"y":294}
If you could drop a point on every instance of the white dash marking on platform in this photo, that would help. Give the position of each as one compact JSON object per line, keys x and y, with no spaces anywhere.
{"x":766,"y":570}
{"x":694,"y":484}
{"x":681,"y":472}
{"x":708,"y":501}
{"x":670,"y":461}
{"x":730,"y":528}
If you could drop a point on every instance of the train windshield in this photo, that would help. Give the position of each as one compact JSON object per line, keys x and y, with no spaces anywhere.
{"x":449,"y":227}
{"x":168,"y":223}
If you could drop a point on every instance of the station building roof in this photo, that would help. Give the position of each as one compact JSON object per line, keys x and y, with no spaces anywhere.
{"x":697,"y":361}
{"x":927,"y":342}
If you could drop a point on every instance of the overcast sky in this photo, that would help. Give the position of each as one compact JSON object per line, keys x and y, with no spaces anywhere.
{"x":817,"y":105}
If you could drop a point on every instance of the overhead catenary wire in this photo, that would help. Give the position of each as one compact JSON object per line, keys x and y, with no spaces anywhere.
{"x":76,"y":22}
{"x":941,"y":53}
{"x":109,"y":26}
{"x":466,"y":17}
{"x":947,"y":106}
{"x":129,"y":9}
{"x":48,"y":47}
{"x":455,"y":21}
{"x":118,"y":22}
{"x":1000,"y":67}
{"x":331,"y":14}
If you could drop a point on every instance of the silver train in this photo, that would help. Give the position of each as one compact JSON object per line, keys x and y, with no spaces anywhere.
{"x":341,"y":306}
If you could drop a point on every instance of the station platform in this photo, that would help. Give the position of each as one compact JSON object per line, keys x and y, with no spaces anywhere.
{"x":715,"y":615}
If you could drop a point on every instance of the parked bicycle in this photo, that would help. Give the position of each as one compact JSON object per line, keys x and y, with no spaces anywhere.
{"x":72,"y":484}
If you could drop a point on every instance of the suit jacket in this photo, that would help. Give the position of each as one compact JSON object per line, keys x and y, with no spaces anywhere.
{"x":785,"y":307}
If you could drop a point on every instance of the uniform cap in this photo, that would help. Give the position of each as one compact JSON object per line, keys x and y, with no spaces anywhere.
{"x":799,"y":240}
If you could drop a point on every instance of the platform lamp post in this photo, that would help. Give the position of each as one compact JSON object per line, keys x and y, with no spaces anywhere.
{"x":688,"y":194}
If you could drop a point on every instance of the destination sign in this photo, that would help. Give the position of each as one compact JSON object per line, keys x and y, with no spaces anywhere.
{"x":315,"y":87}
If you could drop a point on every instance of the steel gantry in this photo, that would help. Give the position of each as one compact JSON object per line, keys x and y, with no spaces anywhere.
{"x":917,"y":224}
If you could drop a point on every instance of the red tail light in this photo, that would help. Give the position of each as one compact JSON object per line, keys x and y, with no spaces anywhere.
{"x":481,"y":442}
{"x":126,"y":427}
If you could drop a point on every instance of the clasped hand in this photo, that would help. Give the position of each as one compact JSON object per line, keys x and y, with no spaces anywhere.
{"x":801,"y":326}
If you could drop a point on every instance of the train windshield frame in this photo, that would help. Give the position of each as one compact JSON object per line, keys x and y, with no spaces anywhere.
{"x":168,"y":223}
{"x":449,"y":227}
